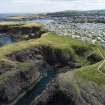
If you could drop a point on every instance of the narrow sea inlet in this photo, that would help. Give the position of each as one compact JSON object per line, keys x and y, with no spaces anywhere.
{"x":5,"y":40}
{"x":29,"y":97}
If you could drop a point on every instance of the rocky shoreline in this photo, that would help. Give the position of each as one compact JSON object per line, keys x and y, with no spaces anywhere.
{"x":22,"y":31}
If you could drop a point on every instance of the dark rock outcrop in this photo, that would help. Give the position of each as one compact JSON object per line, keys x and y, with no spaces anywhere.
{"x":16,"y":83}
{"x":18,"y":33}
{"x":54,"y":57}
{"x":82,"y":92}
{"x":62,"y":93}
{"x":20,"y":76}
{"x":53,"y":96}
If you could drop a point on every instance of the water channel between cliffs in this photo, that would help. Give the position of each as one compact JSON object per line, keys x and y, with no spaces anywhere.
{"x":37,"y":90}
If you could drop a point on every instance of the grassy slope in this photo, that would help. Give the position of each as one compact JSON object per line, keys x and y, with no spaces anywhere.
{"x":48,"y":39}
{"x":51,"y":40}
{"x":88,"y":72}
{"x":22,"y":24}
{"x":95,"y":72}
{"x":92,"y":73}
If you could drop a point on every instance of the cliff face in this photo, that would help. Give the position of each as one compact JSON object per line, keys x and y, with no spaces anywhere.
{"x":17,"y":83}
{"x":22,"y":65}
{"x":70,"y":91}
{"x":20,"y":73}
{"x":23,"y":31}
{"x":54,"y":57}
{"x":52,"y":95}
{"x":20,"y":77}
{"x":39,"y":60}
{"x":83,"y":92}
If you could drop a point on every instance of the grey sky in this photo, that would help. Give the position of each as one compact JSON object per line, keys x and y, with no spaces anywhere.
{"x":37,"y":6}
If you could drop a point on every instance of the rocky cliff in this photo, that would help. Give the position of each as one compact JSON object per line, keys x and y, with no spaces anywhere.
{"x":22,"y":31}
{"x":81,"y":82}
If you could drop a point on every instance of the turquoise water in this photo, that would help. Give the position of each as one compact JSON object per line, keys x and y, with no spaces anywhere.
{"x":5,"y":40}
{"x":37,"y":90}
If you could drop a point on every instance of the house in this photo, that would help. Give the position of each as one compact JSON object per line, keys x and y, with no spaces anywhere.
{"x":103,"y":44}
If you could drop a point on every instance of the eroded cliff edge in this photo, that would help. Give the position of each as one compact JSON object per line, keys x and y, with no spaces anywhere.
{"x":78,"y":80}
{"x":22,"y":31}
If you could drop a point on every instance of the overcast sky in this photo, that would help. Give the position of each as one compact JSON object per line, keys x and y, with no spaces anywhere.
{"x":38,"y":6}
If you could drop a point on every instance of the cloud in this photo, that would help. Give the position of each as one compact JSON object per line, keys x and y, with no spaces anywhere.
{"x":37,"y":6}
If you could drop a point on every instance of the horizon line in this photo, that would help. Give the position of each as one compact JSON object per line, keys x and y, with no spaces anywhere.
{"x":49,"y":12}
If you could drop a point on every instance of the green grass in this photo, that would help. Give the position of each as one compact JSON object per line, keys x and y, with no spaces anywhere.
{"x":31,"y":24}
{"x":14,"y":24}
{"x":52,"y":40}
{"x":91,"y":73}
